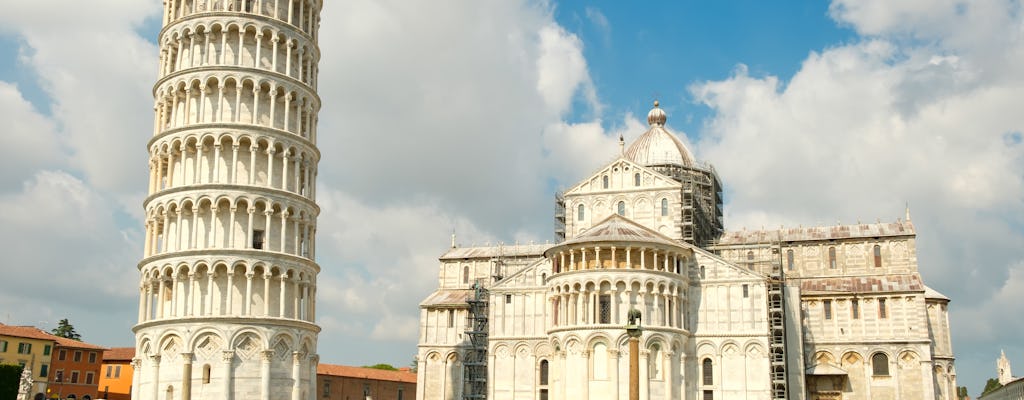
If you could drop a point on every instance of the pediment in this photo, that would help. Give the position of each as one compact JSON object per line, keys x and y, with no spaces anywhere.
{"x":621,"y":175}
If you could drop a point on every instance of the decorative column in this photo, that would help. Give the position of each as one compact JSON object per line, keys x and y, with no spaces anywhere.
{"x":186,"y":376}
{"x":228,"y":358}
{"x":155,"y":361}
{"x":296,"y":376}
{"x":266,"y":357}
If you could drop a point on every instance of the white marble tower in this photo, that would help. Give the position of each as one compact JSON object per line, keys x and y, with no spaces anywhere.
{"x":228,"y":279}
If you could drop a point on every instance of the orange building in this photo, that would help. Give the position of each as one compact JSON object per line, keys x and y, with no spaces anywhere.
{"x":116,"y":374}
{"x":76,"y":369}
{"x":340,"y":382}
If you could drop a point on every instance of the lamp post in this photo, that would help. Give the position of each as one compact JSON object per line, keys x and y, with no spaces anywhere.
{"x":634,"y":330}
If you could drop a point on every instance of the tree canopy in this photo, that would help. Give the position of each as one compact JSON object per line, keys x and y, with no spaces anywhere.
{"x":64,"y":329}
{"x":990,"y":385}
{"x":10,"y":379}
{"x":386,"y":367}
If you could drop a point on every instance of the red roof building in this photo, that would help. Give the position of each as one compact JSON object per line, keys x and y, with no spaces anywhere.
{"x":341,"y":382}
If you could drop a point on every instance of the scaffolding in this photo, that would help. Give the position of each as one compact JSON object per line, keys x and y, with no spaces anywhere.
{"x":701,"y":214}
{"x":777,"y":329}
{"x":475,"y":366}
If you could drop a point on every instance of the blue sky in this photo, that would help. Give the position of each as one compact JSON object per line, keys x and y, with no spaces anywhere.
{"x":467,"y":115}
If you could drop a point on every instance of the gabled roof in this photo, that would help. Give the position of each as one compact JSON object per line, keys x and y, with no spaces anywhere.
{"x":821,"y":369}
{"x":930,"y":293}
{"x":345,"y":371}
{"x":28,"y":332}
{"x":31,"y":332}
{"x":119,"y":354}
{"x":617,"y":228}
{"x":623,"y":160}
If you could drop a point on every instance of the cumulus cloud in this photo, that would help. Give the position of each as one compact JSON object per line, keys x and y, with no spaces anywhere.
{"x":30,"y":139}
{"x":97,"y":72}
{"x":67,"y":256}
{"x":920,"y":110}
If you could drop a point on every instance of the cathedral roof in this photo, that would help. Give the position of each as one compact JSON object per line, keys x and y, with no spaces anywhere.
{"x":863,"y":284}
{"x":617,"y":228}
{"x":448,"y":297}
{"x":658,"y":146}
{"x":518,"y":250}
{"x":899,"y":228}
{"x":930,"y":293}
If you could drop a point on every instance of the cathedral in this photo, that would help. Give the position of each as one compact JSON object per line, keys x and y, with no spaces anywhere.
{"x":829,"y":312}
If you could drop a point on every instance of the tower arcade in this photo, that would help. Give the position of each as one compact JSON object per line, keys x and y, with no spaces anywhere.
{"x":227,"y":287}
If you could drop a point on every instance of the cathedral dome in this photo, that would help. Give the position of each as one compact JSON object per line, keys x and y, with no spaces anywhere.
{"x":658,"y":146}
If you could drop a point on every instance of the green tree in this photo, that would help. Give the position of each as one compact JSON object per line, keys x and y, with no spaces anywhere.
{"x":64,"y":329}
{"x":961,"y":392}
{"x":386,"y":367}
{"x":990,"y":385}
{"x":10,"y":379}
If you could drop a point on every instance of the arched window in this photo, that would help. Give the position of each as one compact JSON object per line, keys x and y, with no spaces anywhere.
{"x":706,"y":371}
{"x":465,"y":274}
{"x":206,"y":373}
{"x":604,"y":180}
{"x":654,"y":362}
{"x":543,"y":372}
{"x":880,"y":364}
{"x":832,"y":258}
{"x":789,"y":259}
{"x":750,"y":260}
{"x":599,"y":361}
{"x":636,"y":179}
{"x":664,"y":207}
{"x":622,"y":208}
{"x":878,"y":256}
{"x":579,"y":213}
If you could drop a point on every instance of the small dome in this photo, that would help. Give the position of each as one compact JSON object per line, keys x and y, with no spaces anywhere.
{"x":656,"y":116}
{"x":658,"y":146}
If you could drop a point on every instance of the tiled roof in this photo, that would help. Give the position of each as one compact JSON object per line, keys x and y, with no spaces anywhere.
{"x":863,"y":284}
{"x":519,"y":250}
{"x":448,"y":297}
{"x":119,"y":354}
{"x":32,"y":332}
{"x":75,"y":344}
{"x":900,"y":228}
{"x":29,"y":332}
{"x":365,"y":373}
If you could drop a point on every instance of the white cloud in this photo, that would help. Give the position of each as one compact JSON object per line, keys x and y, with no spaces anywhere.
{"x":66,"y":257}
{"x":98,"y":73}
{"x":30,"y":139}
{"x":562,"y":69}
{"x":922,"y":110}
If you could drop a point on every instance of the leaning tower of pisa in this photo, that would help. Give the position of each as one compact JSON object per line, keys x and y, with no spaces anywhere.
{"x":228,"y":279}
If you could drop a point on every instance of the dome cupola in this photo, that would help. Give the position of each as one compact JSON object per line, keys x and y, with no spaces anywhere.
{"x":658,"y":146}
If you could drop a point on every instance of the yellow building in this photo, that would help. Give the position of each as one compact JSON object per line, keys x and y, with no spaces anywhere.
{"x":29,"y":347}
